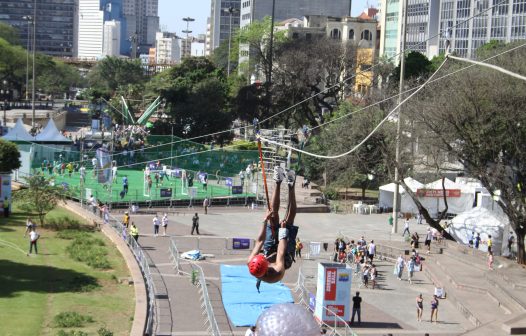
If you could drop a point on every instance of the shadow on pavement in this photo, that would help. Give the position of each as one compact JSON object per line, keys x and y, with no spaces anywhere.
{"x":383,"y":325}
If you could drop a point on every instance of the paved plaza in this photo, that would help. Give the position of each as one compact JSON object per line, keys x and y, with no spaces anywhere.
{"x":389,"y":309}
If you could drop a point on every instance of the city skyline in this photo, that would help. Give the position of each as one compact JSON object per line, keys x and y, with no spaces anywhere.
{"x":172,"y":12}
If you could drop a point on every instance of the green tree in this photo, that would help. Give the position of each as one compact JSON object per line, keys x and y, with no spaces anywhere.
{"x":40,"y":196}
{"x":12,"y":64}
{"x":112,"y":72}
{"x":55,"y":77}
{"x":195,"y":95}
{"x":480,"y":125}
{"x":10,"y":156}
{"x":9,"y":33}
{"x":416,"y":65}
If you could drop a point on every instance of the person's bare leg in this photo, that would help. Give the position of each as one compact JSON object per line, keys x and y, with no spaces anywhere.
{"x":291,"y":209}
{"x":274,"y":204}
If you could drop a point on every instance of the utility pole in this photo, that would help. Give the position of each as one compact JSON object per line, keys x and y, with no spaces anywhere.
{"x":29,"y":20}
{"x":396,"y":199}
{"x":230,"y":11}
{"x":34,"y":56}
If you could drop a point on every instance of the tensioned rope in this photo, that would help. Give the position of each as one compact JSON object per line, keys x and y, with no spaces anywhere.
{"x":494,"y":67}
{"x":391,"y":112}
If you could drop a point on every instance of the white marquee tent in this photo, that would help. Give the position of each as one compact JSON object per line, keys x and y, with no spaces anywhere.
{"x":387,"y":193}
{"x":18,"y":133}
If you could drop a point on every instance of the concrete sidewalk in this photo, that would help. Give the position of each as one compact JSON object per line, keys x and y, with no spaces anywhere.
{"x":478,"y":300}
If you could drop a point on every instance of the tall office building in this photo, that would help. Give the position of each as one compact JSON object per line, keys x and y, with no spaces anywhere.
{"x":90,"y":29}
{"x":111,"y":42}
{"x":505,"y":22}
{"x":422,"y":22}
{"x":142,"y":22}
{"x":220,"y":27}
{"x":55,"y":24}
{"x":442,"y":21}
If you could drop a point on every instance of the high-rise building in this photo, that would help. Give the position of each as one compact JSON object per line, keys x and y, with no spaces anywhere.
{"x":505,"y":22}
{"x":208,"y":37}
{"x":112,"y":38}
{"x":443,"y":21}
{"x":142,"y":23}
{"x":90,"y":29}
{"x":55,"y":24}
{"x":167,"y":48}
{"x":221,"y":25}
{"x":422,"y":22}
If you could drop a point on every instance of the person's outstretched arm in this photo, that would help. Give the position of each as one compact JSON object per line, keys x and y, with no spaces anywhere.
{"x":260,"y":240}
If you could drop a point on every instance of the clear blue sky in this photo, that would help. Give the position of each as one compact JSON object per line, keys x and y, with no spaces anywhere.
{"x":172,"y":12}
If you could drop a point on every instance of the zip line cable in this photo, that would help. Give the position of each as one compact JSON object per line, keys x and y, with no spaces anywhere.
{"x":494,"y":67}
{"x":388,"y":115}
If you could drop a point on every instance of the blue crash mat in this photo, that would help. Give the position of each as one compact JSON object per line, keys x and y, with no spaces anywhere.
{"x":243,"y":304}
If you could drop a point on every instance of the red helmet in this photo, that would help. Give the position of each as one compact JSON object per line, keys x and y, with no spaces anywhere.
{"x":258,"y":266}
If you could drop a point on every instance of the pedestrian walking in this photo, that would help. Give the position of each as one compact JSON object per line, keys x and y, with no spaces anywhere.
{"x":419,"y":219}
{"x":365,"y":275}
{"x":429,"y":237}
{"x":419,"y":307}
{"x":126,"y":219}
{"x":406,"y":227}
{"x":356,"y":307}
{"x":33,"y":239}
{"x":299,"y":247}
{"x":410,"y":269}
{"x":434,"y":308}
{"x":490,"y":244}
{"x":471,"y":239}
{"x":390,"y":220}
{"x":371,"y":250}
{"x":125,"y":184}
{"x":399,"y":267}
{"x":94,"y":164}
{"x":414,"y":240}
{"x":477,"y":241}
{"x":372,"y":275}
{"x":164,"y":221}
{"x":195,"y":224}
{"x":206,"y":203}
{"x":490,"y":260}
{"x":511,"y":240}
{"x":155,"y":222}
{"x":82,"y":174}
{"x":30,"y":226}
{"x":134,"y":232}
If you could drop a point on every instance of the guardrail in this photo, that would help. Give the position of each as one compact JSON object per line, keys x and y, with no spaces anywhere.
{"x":301,"y":290}
{"x":200,"y":282}
{"x":142,"y":260}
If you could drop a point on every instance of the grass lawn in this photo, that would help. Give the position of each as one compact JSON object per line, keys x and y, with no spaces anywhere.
{"x":35,"y":288}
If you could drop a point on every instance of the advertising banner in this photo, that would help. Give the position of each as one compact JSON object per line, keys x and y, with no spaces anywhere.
{"x":438,"y":192}
{"x":240,"y":243}
{"x":333,"y":296}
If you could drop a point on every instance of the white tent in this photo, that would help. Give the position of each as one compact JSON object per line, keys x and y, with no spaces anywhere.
{"x":50,"y":134}
{"x":483,"y":221}
{"x":385,"y":197}
{"x":457,"y":202}
{"x":18,"y":133}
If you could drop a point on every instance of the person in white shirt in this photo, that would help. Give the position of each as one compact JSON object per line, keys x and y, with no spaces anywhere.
{"x":114,"y":173}
{"x":82,"y":172}
{"x":372,"y":250}
{"x":155,"y":225}
{"x":93,"y":204}
{"x":33,"y":238}
{"x":94,"y":164}
{"x":406,"y":227}
{"x":164,"y":221}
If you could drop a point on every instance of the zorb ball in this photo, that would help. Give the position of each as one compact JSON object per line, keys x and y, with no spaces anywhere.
{"x":287,"y":319}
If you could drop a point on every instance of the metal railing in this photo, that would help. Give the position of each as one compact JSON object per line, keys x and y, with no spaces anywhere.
{"x":340,"y":327}
{"x":200,"y":282}
{"x":142,"y":260}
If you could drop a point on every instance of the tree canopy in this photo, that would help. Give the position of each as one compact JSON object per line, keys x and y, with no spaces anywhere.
{"x":10,"y":156}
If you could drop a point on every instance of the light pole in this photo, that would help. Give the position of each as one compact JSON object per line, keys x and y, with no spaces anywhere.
{"x":269,"y":76}
{"x":188,"y":31}
{"x":29,"y":20}
{"x":230,"y":11}
{"x":5,"y":95}
{"x":34,"y":55}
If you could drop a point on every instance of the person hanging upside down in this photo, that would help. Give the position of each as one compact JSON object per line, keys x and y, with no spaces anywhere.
{"x":275,"y":245}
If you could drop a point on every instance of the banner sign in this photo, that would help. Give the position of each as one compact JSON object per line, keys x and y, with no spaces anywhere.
{"x":228,"y":182}
{"x":240,"y":243}
{"x":437,"y":192}
{"x":166,"y":192}
{"x":330,"y":284}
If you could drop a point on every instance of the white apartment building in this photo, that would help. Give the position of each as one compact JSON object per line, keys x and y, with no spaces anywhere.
{"x":167,"y":49}
{"x":90,"y":29}
{"x":112,"y":38}
{"x":440,"y":21}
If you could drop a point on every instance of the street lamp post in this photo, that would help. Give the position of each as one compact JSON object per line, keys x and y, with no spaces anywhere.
{"x":269,"y":76}
{"x":34,"y":55}
{"x":188,"y":31}
{"x":29,"y":20}
{"x":5,"y":95}
{"x":230,"y":11}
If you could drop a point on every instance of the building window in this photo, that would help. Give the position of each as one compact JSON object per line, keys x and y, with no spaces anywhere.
{"x":295,"y":35}
{"x":366,"y":35}
{"x":308,"y":36}
{"x":351,"y":34}
{"x":336,"y":34}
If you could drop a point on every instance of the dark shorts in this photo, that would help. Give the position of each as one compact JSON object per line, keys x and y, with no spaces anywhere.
{"x":427,"y":243}
{"x":271,"y":244}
